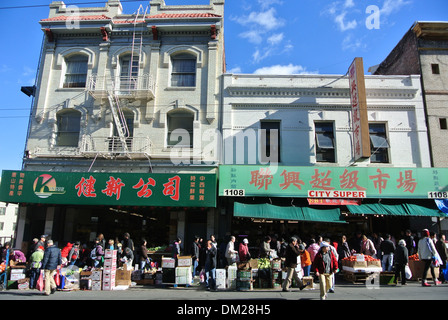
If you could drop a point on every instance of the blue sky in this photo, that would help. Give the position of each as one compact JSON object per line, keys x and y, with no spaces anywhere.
{"x":261,"y":36}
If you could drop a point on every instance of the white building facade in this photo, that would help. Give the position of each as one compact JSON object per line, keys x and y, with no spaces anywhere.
{"x":126,"y":94}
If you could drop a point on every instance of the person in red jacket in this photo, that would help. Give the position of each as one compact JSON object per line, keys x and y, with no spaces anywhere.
{"x":324,"y":265}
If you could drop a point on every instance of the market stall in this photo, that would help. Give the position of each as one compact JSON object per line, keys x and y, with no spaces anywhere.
{"x":359,"y":267}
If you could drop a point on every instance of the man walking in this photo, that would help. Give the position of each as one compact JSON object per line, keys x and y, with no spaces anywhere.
{"x":291,"y":254}
{"x":324,"y":264}
{"x":52,"y":260}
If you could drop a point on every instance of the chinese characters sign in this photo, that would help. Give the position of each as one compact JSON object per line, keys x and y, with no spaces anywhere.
{"x":361,"y":140}
{"x":124,"y":189}
{"x":333,"y":182}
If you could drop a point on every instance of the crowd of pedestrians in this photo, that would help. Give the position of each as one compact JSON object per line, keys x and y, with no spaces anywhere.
{"x":319,"y":256}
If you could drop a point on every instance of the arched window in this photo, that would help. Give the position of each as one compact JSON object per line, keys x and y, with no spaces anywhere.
{"x":76,"y":71}
{"x":180,"y":128}
{"x":183,"y":72}
{"x":68,"y":126}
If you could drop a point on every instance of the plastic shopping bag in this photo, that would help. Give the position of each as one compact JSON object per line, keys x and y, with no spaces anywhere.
{"x":40,"y":281}
{"x":57,"y":279}
{"x":408,"y":272}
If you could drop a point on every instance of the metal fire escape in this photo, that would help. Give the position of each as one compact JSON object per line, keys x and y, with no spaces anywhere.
{"x":123,"y":86}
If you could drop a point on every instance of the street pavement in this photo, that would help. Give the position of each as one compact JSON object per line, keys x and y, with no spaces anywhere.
{"x":182,"y":302}
{"x":343,"y":291}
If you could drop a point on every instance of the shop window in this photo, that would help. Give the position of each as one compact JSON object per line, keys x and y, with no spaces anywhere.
{"x":270,"y":146}
{"x":379,"y":144}
{"x":325,"y":146}
{"x":68,"y":128}
{"x":76,"y":71}
{"x":180,"y":128}
{"x":183,"y":72}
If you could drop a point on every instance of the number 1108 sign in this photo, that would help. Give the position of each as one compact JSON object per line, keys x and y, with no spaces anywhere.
{"x":234,"y":192}
{"x":438,"y":195}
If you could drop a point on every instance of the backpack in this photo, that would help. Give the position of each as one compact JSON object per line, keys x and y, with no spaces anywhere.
{"x":75,"y":254}
{"x":93,"y":253}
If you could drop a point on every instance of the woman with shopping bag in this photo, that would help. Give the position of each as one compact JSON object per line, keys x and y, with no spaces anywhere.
{"x":427,"y":253}
{"x":401,"y":261}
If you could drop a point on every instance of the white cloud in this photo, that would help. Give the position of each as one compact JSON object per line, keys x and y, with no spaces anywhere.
{"x":349,"y":4}
{"x":289,"y":69}
{"x":276,"y":39}
{"x":339,"y":19}
{"x":234,"y":70}
{"x":268,"y":3}
{"x":351,"y":43}
{"x":390,"y":6}
{"x":267,"y":20}
{"x":253,"y":36}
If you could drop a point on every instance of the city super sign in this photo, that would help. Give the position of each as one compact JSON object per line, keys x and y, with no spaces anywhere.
{"x":124,"y":189}
{"x":333,"y":182}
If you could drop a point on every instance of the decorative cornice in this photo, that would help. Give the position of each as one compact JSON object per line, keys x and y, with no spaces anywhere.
{"x":318,"y":92}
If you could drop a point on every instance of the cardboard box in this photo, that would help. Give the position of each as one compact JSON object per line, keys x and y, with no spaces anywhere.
{"x":276,"y":264}
{"x":110,"y":268}
{"x":417,"y":267}
{"x":168,"y":263}
{"x":183,"y":271}
{"x":96,"y":285}
{"x":374,"y":264}
{"x":96,"y":275}
{"x":253,"y":263}
{"x":244,"y":275}
{"x":17,"y":276}
{"x":184,"y":261}
{"x":110,"y":262}
{"x":356,"y":264}
{"x":123,"y":277}
{"x":108,"y":286}
{"x":108,"y":253}
{"x":308,"y":282}
{"x":85,"y":274}
{"x":109,"y":276}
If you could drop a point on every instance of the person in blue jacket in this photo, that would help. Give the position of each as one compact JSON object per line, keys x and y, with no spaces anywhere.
{"x":52,"y":260}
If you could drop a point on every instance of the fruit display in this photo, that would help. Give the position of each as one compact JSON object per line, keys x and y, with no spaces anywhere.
{"x":264,"y":263}
{"x":414,"y":257}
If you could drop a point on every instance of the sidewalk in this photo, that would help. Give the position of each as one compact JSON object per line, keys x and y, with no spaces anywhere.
{"x":343,"y":291}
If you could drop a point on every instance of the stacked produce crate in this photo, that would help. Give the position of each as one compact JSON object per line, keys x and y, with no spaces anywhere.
{"x":184,"y":271}
{"x":244,"y":280}
{"x":232,"y":274}
{"x":168,"y":270}
{"x":221,"y":278}
{"x":110,"y":269}
{"x":96,"y":277}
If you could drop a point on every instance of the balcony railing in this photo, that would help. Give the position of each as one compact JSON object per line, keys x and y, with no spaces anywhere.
{"x":139,"y":87}
{"x":136,"y":147}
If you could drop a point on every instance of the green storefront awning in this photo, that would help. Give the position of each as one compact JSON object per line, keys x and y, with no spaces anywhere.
{"x":268,"y":211}
{"x":405,"y":209}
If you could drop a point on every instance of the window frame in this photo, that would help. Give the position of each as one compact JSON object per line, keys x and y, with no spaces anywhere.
{"x":175,"y":59}
{"x":75,"y":58}
{"x":269,"y":125}
{"x":379,"y":154}
{"x":324,"y":153}
{"x":188,"y":116}
{"x":66,"y":133}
